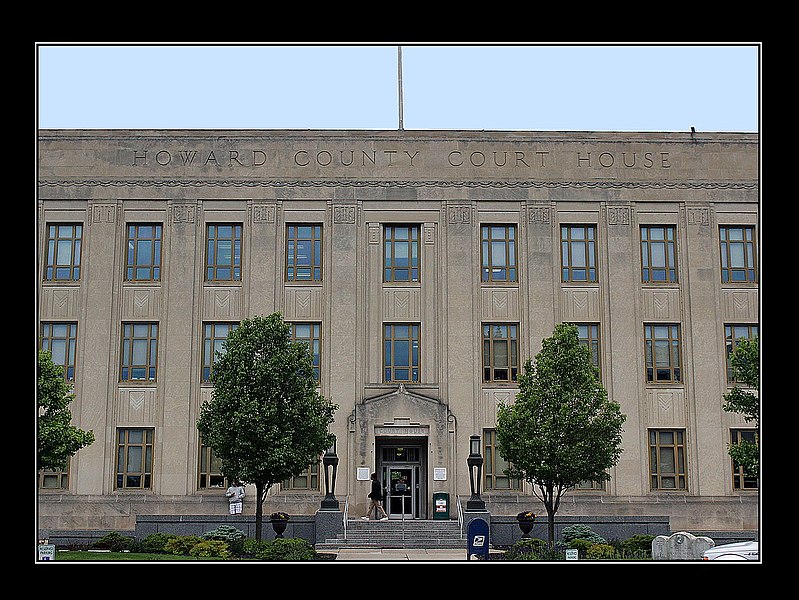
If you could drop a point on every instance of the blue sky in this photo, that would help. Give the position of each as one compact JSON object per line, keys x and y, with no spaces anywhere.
{"x":560,"y":87}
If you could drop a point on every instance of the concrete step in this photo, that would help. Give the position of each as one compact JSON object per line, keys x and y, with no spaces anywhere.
{"x":396,"y":533}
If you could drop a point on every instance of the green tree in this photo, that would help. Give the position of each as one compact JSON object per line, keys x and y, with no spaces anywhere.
{"x":745,"y":362}
{"x":57,"y":439}
{"x":266,"y":420}
{"x":561,"y":429}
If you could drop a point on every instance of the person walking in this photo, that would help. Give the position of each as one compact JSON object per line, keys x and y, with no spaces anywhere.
{"x":235,"y":495}
{"x":375,"y":500}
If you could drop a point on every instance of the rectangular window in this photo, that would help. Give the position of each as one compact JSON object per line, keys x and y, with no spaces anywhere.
{"x":740,"y":479}
{"x":60,"y":340}
{"x":588,"y":335}
{"x":139,"y":351}
{"x":578,"y":253}
{"x":732,"y":333}
{"x":134,"y":466}
{"x":223,"y":252}
{"x":658,"y":254}
{"x":401,"y":253}
{"x":54,"y":480}
{"x":500,"y":352}
{"x":495,"y":465}
{"x":307,"y":480}
{"x":662,"y":351}
{"x":498,"y":253}
{"x":214,"y":336}
{"x":401,"y":352}
{"x":303,"y":253}
{"x":737,"y":254}
{"x":210,"y":469}
{"x":667,"y":459}
{"x":63,"y":252}
{"x":144,"y":252}
{"x":310,"y":334}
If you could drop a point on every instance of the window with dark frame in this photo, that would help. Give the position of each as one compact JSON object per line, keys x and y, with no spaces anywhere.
{"x":60,"y":340}
{"x":741,"y":480}
{"x":63,"y":252}
{"x":401,"y":352}
{"x":134,"y":462}
{"x":658,"y":254}
{"x":214,"y":336}
{"x":498,"y":253}
{"x":210,"y":469}
{"x":494,"y":467}
{"x":578,"y":253}
{"x":54,"y":479}
{"x":310,"y":334}
{"x":738,"y":254}
{"x":400,"y":253}
{"x":733,"y":332}
{"x":223,"y":252}
{"x":304,"y":252}
{"x":667,"y":459}
{"x":307,"y":480}
{"x":662,"y":352}
{"x":139,"y":356}
{"x":500,"y":352}
{"x":143,"y":260}
{"x":588,"y":335}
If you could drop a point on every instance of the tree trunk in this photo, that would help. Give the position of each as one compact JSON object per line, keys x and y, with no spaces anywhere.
{"x":259,"y":509}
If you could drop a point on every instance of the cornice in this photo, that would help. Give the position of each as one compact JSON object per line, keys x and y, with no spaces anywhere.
{"x":368,"y":183}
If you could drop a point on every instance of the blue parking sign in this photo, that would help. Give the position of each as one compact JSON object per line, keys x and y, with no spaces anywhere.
{"x":477,"y":535}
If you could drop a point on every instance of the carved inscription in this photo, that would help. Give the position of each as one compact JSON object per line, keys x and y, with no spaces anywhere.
{"x":344,"y":214}
{"x":459,"y":214}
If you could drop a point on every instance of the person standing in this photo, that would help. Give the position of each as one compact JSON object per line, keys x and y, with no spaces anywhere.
{"x":235,"y":496}
{"x":375,"y":500}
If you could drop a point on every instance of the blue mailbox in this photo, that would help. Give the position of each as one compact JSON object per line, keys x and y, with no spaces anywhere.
{"x":477,"y":535}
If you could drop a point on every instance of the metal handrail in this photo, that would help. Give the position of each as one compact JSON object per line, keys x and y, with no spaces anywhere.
{"x":460,"y":514}
{"x":346,"y":511}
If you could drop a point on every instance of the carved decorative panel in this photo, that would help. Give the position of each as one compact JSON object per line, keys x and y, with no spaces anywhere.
{"x":667,"y":407}
{"x":500,"y":304}
{"x":580,"y":304}
{"x":661,"y":303}
{"x":222,"y":303}
{"x":136,"y":406}
{"x":401,"y":303}
{"x":302,"y":303}
{"x":141,"y":302}
{"x":60,"y":302}
{"x":740,"y":305}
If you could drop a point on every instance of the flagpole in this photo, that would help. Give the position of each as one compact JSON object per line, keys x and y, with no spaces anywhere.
{"x":399,"y":84}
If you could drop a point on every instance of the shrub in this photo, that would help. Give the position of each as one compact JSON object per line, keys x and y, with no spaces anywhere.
{"x":600,"y":552}
{"x":532,"y":549}
{"x":155,"y":543}
{"x":287,"y":549}
{"x":581,"y":546}
{"x":250,"y":547}
{"x":583,"y":532}
{"x":181,"y":544}
{"x":208,"y":548}
{"x":638,"y":546}
{"x":115,"y":542}
{"x":227,"y":533}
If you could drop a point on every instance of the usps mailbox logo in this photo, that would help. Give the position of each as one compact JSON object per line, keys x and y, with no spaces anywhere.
{"x":479,"y":541}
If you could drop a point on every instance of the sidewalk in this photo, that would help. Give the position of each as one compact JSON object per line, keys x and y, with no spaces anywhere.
{"x":400,"y":554}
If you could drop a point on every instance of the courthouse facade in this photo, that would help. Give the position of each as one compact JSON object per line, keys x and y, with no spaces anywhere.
{"x":423,"y":268}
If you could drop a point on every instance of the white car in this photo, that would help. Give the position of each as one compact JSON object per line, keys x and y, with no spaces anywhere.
{"x":736,"y":551}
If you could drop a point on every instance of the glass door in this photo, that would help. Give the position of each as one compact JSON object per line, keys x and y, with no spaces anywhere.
{"x":402,"y":489}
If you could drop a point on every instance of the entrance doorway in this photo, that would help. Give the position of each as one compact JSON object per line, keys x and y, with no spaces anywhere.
{"x":402,"y":473}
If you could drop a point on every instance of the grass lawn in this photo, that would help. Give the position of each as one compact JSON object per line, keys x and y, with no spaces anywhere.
{"x":70,"y":555}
